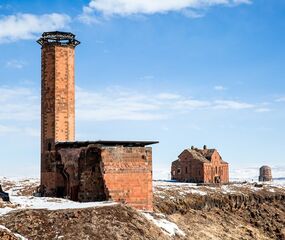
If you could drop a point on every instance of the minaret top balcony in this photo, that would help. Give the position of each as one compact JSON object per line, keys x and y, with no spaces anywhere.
{"x":58,"y":38}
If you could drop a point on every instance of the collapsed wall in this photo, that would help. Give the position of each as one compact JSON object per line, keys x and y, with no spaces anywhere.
{"x":98,"y":173}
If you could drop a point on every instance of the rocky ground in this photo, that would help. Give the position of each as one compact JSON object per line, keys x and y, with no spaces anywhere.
{"x":182,"y":211}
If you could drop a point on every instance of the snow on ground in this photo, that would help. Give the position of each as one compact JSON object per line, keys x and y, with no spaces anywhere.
{"x":162,"y":189}
{"x":23,"y":202}
{"x":31,"y":202}
{"x":15,"y":234}
{"x":251,"y":173}
{"x":166,"y":226}
{"x":172,"y":189}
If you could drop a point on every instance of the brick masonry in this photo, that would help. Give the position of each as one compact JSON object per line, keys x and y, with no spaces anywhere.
{"x":128,"y":175}
{"x":58,"y":117}
{"x":92,"y":172}
{"x":200,"y":166}
{"x":265,"y":174}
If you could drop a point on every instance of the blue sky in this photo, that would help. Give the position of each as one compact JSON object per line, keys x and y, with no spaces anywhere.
{"x":184,"y":72}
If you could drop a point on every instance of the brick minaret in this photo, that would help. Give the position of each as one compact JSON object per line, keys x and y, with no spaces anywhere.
{"x":57,"y":98}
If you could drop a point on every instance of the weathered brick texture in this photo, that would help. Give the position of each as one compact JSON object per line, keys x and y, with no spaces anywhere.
{"x":200,"y":166}
{"x":128,"y":175}
{"x":57,"y":101}
{"x":90,"y":172}
{"x":96,"y":173}
{"x":265,"y":174}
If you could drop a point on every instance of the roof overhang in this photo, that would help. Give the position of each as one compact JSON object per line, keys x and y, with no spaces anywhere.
{"x":106,"y":143}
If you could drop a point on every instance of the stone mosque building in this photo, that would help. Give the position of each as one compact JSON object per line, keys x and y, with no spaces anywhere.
{"x":90,"y":170}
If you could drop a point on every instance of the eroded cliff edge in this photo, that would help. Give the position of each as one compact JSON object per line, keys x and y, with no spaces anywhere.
{"x":182,"y":211}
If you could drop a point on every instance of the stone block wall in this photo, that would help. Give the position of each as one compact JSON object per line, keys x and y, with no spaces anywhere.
{"x":98,"y":173}
{"x":219,"y":170}
{"x":127,"y":174}
{"x":186,"y":171}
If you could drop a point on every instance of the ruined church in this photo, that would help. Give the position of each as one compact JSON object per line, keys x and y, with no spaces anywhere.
{"x":200,"y":166}
{"x":90,"y":170}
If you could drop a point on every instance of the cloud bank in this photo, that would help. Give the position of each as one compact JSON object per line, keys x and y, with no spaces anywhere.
{"x":131,"y":7}
{"x":23,"y":104}
{"x":29,"y":26}
{"x":122,"y":104}
{"x":18,"y":104}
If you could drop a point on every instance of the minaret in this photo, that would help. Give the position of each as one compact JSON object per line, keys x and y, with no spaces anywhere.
{"x":57,"y":98}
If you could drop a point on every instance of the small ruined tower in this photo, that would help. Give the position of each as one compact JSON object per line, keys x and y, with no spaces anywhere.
{"x":265,"y":174}
{"x":57,"y":97}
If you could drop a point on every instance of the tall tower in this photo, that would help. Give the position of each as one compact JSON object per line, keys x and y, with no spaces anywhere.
{"x":57,"y":97}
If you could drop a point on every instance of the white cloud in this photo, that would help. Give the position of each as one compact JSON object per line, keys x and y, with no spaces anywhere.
{"x":19,"y":104}
{"x":252,"y":173}
{"x":16,"y":64}
{"x":220,"y":88}
{"x":169,"y":96}
{"x":7,"y":129}
{"x":118,"y":104}
{"x":131,"y":7}
{"x":193,"y":13}
{"x":191,"y":104}
{"x":87,"y":16}
{"x":27,"y":131}
{"x":235,"y":105}
{"x":23,"y":105}
{"x":147,"y":77}
{"x":263,"y":110}
{"x":28,"y":26}
{"x":282,"y":99}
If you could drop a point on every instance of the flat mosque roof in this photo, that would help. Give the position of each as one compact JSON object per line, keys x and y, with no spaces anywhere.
{"x":106,"y":143}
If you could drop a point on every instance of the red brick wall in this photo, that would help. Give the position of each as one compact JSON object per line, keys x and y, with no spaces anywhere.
{"x":187,"y":169}
{"x":128,"y":175}
{"x":57,"y":100}
{"x":216,"y":169}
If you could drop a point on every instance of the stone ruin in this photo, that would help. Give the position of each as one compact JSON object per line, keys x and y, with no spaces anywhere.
{"x":88,"y":170}
{"x":265,"y":174}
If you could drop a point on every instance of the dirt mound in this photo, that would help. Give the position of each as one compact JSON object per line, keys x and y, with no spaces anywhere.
{"x":5,"y":234}
{"x":114,"y":222}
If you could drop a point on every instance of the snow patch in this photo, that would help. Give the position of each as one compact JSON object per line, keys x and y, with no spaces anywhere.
{"x":15,"y":185}
{"x":15,"y":234}
{"x":50,"y":204}
{"x":227,"y":189}
{"x":166,"y":226}
{"x":197,"y":192}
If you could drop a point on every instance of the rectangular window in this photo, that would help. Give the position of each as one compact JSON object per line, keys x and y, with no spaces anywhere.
{"x":186,"y":170}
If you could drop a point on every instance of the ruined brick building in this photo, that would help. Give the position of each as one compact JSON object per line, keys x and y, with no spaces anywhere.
{"x":91,"y":170}
{"x":265,"y":174}
{"x":200,"y":166}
